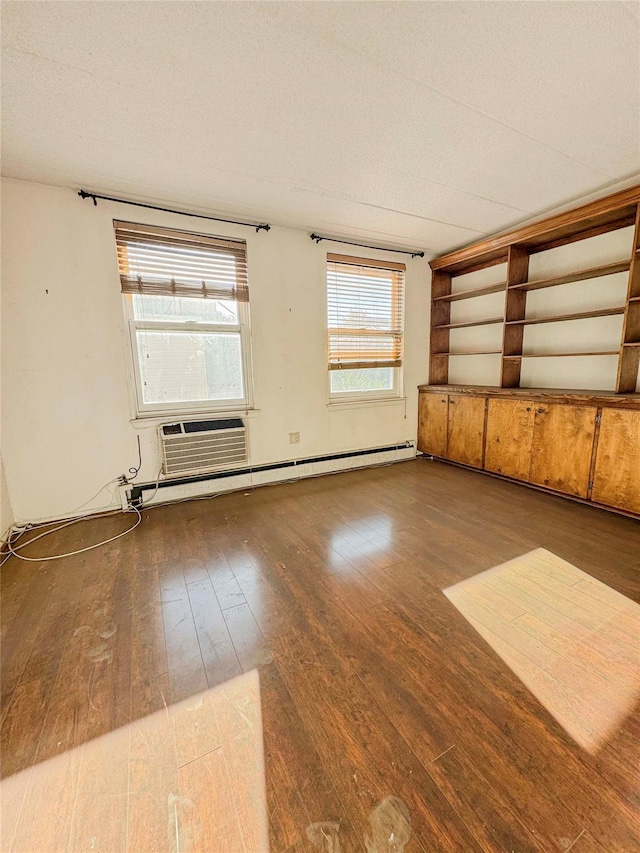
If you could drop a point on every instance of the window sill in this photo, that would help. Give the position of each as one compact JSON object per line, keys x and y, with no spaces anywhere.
{"x":153,"y":419}
{"x":338,"y":405}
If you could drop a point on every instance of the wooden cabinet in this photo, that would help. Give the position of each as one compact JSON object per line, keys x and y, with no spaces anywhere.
{"x":562,"y":447}
{"x":465,"y":433}
{"x":616,"y":480}
{"x":509,"y":437}
{"x":432,"y":424}
{"x":556,"y":440}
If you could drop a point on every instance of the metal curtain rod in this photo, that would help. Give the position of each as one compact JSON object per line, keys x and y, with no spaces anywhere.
{"x":95,"y":196}
{"x":411,"y":252}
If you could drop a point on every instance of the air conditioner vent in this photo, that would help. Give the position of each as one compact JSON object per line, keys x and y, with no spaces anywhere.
{"x":204,"y":426}
{"x":196,"y":447}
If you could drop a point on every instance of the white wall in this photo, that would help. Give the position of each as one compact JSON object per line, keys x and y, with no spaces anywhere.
{"x":67,"y":412}
{"x":6,"y":512}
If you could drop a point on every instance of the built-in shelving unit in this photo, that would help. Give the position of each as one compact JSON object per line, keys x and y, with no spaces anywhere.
{"x":514,"y":249}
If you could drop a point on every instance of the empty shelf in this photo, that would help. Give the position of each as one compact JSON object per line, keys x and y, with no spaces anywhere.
{"x":581,"y":315}
{"x":579,"y":275}
{"x":469,"y":294}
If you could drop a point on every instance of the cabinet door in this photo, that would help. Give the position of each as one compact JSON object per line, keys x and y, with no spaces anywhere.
{"x":617,"y":475}
{"x":509,"y":437}
{"x":432,"y":424}
{"x":465,"y":433}
{"x":562,"y":447}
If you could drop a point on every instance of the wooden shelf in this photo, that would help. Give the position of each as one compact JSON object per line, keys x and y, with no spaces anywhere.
{"x":632,"y":344}
{"x":469,"y":352}
{"x":584,"y":397}
{"x":557,"y":354}
{"x":469,"y":294}
{"x":579,"y":275}
{"x":471,"y":323}
{"x":560,"y":318}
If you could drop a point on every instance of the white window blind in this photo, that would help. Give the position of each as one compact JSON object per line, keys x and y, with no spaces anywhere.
{"x":365,"y":303}
{"x":168,"y":262}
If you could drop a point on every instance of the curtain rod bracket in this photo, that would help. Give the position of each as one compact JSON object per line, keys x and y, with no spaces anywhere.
{"x":264,"y":226}
{"x":414,"y":254}
{"x":84,"y":195}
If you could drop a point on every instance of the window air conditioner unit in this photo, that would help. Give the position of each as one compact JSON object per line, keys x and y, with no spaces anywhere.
{"x":200,"y":447}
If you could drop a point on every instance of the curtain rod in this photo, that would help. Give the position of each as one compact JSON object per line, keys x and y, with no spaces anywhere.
{"x":413,"y":253}
{"x":84,"y":194}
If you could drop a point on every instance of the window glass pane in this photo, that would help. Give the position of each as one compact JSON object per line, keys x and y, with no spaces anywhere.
{"x":370,"y":379}
{"x":184,"y":367}
{"x":183,"y":309}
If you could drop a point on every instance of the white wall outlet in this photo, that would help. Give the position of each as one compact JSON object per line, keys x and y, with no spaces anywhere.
{"x":294,"y":438}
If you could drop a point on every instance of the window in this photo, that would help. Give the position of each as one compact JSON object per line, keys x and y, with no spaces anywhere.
{"x":187,"y":302}
{"x":365,"y":307}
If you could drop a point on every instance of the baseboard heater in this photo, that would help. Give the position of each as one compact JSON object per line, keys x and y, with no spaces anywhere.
{"x":296,"y":465}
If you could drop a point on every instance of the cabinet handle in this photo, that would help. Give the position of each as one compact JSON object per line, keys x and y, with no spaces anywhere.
{"x":540,"y":411}
{"x":528,"y":408}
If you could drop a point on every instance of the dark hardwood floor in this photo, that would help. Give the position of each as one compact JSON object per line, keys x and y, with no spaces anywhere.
{"x":281,"y":669}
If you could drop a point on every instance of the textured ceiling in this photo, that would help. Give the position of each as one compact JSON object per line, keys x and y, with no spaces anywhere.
{"x":426,"y":124}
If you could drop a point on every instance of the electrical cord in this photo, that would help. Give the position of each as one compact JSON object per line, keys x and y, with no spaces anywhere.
{"x":13,"y":530}
{"x":133,"y":472}
{"x":62,"y":526}
{"x":155,"y":491}
{"x":102,"y":512}
{"x":14,"y":551}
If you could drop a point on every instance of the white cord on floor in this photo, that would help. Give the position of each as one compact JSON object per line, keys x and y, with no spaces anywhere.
{"x":14,"y":551}
{"x":61,"y":526}
{"x":11,"y":549}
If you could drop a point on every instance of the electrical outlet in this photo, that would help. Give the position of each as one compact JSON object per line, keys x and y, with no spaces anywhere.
{"x":294,"y":438}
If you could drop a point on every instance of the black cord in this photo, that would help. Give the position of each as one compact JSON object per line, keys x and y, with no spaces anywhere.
{"x":412,"y":252}
{"x":133,"y":472}
{"x":95,"y":196}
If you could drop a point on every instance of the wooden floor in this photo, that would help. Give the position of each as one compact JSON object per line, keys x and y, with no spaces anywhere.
{"x":321,"y":666}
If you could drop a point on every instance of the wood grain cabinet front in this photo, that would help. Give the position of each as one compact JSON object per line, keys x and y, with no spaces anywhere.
{"x":562,"y":447}
{"x":432,"y":424}
{"x":584,"y":444}
{"x":616,"y":480}
{"x":509,"y":437}
{"x":465,"y":432}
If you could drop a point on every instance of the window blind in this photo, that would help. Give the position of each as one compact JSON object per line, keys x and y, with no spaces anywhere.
{"x":168,"y":262}
{"x":365,"y":302}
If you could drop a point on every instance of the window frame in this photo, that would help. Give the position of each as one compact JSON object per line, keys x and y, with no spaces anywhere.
{"x":393,"y":393}
{"x":243,"y":328}
{"x":396,"y":391}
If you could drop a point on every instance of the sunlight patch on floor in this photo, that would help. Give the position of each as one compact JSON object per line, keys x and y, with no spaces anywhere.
{"x":572,"y":640}
{"x":190,"y":777}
